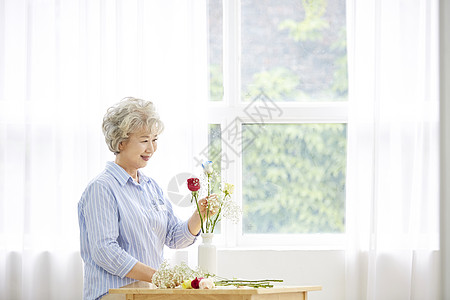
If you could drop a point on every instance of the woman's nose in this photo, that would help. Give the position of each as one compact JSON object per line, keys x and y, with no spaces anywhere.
{"x":150,"y":148}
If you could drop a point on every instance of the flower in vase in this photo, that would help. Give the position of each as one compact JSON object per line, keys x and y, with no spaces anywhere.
{"x":231,"y":210}
{"x":207,"y":167}
{"x":228,"y":188}
{"x":218,"y":205}
{"x":193,"y":184}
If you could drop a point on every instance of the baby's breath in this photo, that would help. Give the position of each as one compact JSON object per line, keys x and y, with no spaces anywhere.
{"x":172,"y":277}
{"x":231,"y":210}
{"x":168,"y":277}
{"x":214,"y":204}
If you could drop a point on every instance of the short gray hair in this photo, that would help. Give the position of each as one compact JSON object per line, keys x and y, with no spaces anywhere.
{"x":129,"y":116}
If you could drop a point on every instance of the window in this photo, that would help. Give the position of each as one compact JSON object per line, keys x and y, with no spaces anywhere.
{"x":295,"y":178}
{"x":293,"y":50}
{"x":278,"y":113}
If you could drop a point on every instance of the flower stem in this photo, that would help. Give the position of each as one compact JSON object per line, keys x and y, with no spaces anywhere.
{"x":218,"y":213}
{"x":195,"y":195}
{"x":209,"y":191}
{"x":265,"y":283}
{"x":208,"y":206}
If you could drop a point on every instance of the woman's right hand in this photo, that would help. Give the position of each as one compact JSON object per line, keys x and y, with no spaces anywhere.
{"x":203,"y":205}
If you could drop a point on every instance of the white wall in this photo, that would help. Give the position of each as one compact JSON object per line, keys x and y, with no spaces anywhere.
{"x":295,"y":267}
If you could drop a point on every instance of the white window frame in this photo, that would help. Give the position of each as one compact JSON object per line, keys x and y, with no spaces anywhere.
{"x":231,"y":109}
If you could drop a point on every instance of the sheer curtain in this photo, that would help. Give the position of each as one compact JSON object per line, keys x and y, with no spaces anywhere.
{"x":62,"y":63}
{"x":393,"y":135}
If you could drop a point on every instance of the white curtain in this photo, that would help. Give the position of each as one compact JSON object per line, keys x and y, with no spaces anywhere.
{"x":62,"y":64}
{"x":393,"y":140}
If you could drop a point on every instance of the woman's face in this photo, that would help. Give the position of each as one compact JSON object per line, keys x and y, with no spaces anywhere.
{"x":137,"y":150}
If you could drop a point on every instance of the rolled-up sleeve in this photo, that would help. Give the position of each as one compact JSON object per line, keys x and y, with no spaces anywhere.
{"x":101,"y":216}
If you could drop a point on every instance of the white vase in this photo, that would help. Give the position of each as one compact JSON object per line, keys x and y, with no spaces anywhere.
{"x":207,"y":254}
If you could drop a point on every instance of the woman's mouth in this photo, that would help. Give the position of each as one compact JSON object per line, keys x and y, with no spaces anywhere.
{"x":145,"y":157}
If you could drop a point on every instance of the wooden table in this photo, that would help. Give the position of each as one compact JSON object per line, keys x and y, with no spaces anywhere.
{"x":218,"y":293}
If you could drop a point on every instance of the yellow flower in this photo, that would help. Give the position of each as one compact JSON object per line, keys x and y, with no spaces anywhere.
{"x":186,"y":284}
{"x":229,"y":188}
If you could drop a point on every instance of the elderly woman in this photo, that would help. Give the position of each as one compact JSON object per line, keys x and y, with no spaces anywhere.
{"x":124,"y":218}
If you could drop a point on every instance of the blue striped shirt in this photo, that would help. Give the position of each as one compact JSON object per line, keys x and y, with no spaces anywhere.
{"x":123,"y":222}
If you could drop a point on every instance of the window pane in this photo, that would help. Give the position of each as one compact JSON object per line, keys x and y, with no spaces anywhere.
{"x":294,"y":50}
{"x":215,"y":50}
{"x":294,"y":178}
{"x":215,"y":146}
{"x":215,"y":155}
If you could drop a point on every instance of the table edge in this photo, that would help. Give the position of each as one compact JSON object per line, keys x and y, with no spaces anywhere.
{"x":216,"y":291}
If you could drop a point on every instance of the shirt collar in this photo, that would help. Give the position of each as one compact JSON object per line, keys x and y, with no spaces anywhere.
{"x":142,"y":177}
{"x":121,"y":175}
{"x":118,"y":172}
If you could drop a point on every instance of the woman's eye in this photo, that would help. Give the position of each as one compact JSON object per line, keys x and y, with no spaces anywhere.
{"x":145,"y":141}
{"x":155,"y":140}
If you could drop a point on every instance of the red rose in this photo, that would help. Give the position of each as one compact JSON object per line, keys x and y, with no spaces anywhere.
{"x":196,"y":283}
{"x":193,"y":184}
